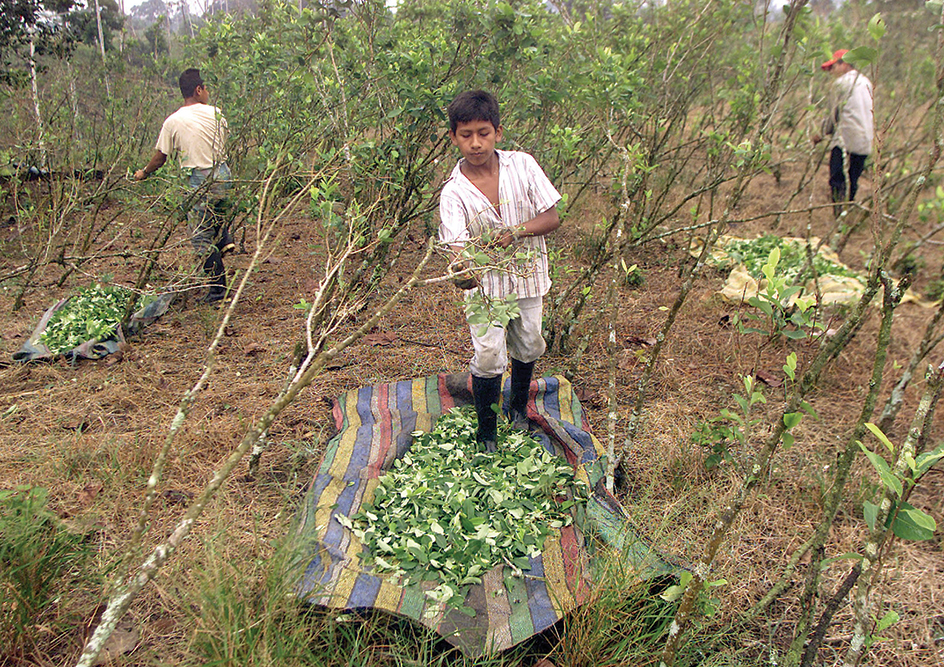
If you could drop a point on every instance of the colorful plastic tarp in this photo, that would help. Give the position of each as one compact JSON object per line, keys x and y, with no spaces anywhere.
{"x":374,"y":426}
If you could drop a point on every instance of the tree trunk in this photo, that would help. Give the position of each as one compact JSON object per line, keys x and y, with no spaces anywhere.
{"x":101,"y":46}
{"x":35,"y":87}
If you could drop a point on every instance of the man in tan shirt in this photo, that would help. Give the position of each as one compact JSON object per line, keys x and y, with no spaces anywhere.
{"x":197,"y":133}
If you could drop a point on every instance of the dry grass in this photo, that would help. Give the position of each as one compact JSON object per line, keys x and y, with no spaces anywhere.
{"x":89,"y":434}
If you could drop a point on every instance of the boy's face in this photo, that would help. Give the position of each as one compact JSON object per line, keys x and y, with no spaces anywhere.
{"x":476,"y":140}
{"x":202,"y":94}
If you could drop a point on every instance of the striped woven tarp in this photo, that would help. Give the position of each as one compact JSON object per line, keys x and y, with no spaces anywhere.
{"x":374,"y":426}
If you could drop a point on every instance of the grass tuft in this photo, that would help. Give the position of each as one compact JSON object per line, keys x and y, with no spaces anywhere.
{"x":624,"y":623}
{"x":36,"y":556}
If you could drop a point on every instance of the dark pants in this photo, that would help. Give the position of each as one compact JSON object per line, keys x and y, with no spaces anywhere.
{"x":837,"y":177}
{"x":208,"y":213}
{"x":208,"y":217}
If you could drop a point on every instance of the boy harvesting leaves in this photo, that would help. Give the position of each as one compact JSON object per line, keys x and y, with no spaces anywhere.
{"x":501,"y":197}
{"x":197,"y":133}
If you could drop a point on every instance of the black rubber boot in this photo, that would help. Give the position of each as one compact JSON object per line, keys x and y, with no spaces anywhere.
{"x":225,"y":245}
{"x":520,"y":389}
{"x":213,"y":267}
{"x":486,"y":393}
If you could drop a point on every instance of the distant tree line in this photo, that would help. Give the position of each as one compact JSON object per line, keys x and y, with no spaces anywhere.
{"x":51,"y":27}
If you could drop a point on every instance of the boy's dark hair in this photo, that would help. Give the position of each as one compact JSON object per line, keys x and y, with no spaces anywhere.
{"x":473,"y":105}
{"x":189,"y":81}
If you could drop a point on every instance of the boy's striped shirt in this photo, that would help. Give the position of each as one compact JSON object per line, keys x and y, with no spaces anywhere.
{"x":524,"y":191}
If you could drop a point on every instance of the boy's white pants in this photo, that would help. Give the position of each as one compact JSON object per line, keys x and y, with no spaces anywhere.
{"x":522,"y":340}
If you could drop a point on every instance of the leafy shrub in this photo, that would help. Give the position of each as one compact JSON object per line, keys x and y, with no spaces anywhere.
{"x":633,"y":277}
{"x":718,"y":435}
{"x":781,"y":311}
{"x":715,"y":436}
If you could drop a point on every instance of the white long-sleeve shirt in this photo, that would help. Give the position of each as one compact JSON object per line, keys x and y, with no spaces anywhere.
{"x":850,"y":120}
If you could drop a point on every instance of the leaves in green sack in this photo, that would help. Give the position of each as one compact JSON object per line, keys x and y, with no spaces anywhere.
{"x":755,"y":254}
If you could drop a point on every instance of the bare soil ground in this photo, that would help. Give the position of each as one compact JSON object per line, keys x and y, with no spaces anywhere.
{"x":89,"y":432}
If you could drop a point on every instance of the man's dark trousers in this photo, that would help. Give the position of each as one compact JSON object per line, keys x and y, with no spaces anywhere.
{"x":837,"y":177}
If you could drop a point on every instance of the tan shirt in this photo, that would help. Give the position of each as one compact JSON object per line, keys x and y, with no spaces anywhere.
{"x":197,"y":132}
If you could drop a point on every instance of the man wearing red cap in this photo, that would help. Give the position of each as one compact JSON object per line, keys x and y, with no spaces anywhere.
{"x":849,"y":123}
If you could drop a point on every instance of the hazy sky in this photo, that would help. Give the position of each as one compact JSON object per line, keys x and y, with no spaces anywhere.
{"x":196,"y":6}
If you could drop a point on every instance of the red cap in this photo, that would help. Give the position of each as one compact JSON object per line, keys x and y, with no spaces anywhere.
{"x":837,"y":56}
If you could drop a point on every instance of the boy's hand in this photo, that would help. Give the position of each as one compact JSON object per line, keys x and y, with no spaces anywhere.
{"x":140,"y":175}
{"x":505,"y":239}
{"x":459,"y":265}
